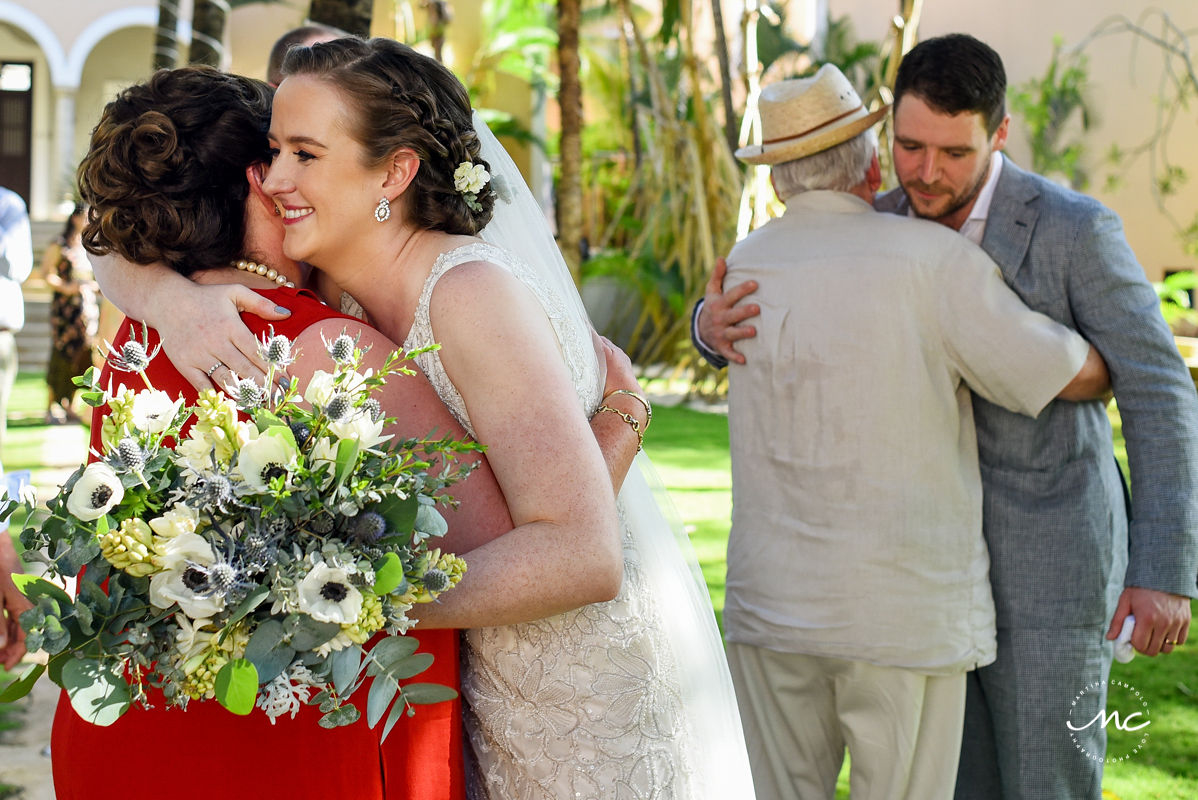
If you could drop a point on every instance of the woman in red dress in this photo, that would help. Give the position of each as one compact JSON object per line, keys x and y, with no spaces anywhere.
{"x":173,"y":176}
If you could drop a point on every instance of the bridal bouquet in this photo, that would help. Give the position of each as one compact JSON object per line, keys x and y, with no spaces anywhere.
{"x":247,"y":558}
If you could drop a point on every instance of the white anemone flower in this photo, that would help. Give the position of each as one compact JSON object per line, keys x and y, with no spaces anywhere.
{"x":270,"y":454}
{"x":326,"y":595}
{"x":154,"y":410}
{"x":184,"y":579}
{"x":97,"y":492}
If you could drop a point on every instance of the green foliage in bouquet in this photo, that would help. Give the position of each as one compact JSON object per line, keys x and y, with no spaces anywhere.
{"x":247,"y":558}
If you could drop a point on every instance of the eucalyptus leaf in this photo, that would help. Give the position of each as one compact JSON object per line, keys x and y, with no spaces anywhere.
{"x":22,"y":685}
{"x":388,"y":574}
{"x":430,"y":522}
{"x":345,"y":665}
{"x":310,"y":634}
{"x":411,"y":666}
{"x":91,"y":593}
{"x":382,"y":691}
{"x":426,"y":693}
{"x":251,"y":601}
{"x":344,"y":715}
{"x":237,"y":686}
{"x":267,"y":652}
{"x":389,"y":651}
{"x":396,"y":710}
{"x":96,"y":694}
{"x":85,"y":618}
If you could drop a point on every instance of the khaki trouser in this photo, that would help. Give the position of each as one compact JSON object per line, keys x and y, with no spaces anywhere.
{"x":902,"y":728}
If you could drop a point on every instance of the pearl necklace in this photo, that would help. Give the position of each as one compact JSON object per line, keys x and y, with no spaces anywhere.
{"x":245,"y":265}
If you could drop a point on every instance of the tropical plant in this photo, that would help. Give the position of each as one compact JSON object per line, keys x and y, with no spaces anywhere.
{"x":672,"y":183}
{"x":1049,"y":105}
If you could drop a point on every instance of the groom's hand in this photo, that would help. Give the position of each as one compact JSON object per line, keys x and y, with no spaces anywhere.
{"x":721,"y":319}
{"x":1162,"y":619}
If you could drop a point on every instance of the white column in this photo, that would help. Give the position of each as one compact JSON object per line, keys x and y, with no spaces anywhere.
{"x":62,"y":186}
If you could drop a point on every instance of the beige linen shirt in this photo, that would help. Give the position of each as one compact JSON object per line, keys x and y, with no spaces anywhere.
{"x":857,"y":500}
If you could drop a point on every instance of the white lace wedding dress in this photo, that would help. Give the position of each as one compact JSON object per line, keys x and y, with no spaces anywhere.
{"x":618,"y":700}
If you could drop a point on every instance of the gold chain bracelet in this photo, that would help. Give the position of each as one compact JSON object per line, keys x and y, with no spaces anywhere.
{"x":640,"y":398}
{"x":632,"y":421}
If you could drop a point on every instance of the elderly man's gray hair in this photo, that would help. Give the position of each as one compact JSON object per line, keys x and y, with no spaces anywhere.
{"x":837,"y":169}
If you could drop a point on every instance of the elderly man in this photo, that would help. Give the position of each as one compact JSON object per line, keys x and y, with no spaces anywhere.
{"x":1071,"y":559}
{"x":857,"y":593}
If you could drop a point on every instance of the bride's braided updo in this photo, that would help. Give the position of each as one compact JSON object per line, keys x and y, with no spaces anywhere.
{"x":165,"y":172}
{"x":403,"y":99}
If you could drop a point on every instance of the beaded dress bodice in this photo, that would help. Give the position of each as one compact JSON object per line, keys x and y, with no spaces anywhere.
{"x":584,"y":704}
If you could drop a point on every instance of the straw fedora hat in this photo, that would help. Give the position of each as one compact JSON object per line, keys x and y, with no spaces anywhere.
{"x":803,"y":116}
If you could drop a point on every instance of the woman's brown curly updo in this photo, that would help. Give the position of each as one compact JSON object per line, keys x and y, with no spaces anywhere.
{"x":405,"y":100}
{"x":165,"y":173}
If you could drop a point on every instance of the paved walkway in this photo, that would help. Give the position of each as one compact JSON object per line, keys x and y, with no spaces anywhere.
{"x":25,"y":752}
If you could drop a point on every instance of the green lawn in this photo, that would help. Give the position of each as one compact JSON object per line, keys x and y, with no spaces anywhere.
{"x":690,"y":450}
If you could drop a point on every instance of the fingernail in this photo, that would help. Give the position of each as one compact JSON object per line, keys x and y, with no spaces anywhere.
{"x":282,"y":310}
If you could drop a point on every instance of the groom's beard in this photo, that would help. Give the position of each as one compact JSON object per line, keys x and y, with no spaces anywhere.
{"x":948,"y":203}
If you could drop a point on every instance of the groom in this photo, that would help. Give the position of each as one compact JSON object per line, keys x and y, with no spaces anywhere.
{"x":1069,"y":559}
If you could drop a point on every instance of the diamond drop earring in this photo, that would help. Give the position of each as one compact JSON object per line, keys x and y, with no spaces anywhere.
{"x":382,"y":212}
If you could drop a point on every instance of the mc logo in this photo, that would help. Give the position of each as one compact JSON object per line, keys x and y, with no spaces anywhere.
{"x":1128,"y":712}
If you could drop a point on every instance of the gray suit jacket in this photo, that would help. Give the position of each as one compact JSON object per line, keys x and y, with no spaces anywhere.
{"x":1061,"y":543}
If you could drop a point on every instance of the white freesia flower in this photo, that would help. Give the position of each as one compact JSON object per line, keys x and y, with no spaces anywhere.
{"x":268,"y":455}
{"x":320,"y":388}
{"x":338,"y":642}
{"x":97,"y":492}
{"x":361,"y":427}
{"x":154,"y":410}
{"x":191,"y":640}
{"x":326,"y":595}
{"x":181,"y":582}
{"x":195,"y":452}
{"x":179,"y":520}
{"x":470,"y":178}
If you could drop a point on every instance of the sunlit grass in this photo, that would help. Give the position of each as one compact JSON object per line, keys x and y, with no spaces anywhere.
{"x":690,"y":450}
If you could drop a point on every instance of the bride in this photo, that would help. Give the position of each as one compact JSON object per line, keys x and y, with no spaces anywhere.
{"x":592,"y":663}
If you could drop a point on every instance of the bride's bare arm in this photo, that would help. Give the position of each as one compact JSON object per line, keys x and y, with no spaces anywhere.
{"x":199,"y":324}
{"x":565,"y":550}
{"x":482,"y":512}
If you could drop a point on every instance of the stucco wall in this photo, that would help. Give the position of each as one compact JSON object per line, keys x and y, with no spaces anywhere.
{"x":1123,"y":93}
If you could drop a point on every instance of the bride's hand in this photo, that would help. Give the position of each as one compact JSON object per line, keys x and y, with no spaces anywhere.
{"x":204,"y":330}
{"x":617,"y":367}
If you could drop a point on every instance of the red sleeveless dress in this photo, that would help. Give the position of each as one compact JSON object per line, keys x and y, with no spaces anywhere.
{"x":206,"y":752}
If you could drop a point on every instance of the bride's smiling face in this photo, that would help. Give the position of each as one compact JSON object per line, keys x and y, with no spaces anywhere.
{"x":326,"y":193}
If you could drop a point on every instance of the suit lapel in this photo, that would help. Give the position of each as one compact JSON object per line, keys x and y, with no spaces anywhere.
{"x":1011,"y":220}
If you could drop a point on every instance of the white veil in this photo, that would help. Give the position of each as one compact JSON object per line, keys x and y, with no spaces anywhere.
{"x":717,"y":756}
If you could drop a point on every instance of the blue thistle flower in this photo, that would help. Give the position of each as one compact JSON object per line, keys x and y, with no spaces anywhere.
{"x":369,"y":527}
{"x":340,"y":407}
{"x":342,"y":349}
{"x":130,"y":454}
{"x":436,"y":580}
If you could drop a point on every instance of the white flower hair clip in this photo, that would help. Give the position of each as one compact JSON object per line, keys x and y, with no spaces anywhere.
{"x":469,"y":179}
